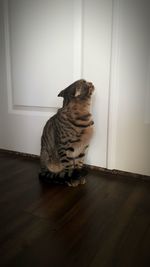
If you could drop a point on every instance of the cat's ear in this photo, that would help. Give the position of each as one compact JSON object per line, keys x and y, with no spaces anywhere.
{"x":71,"y":91}
{"x":77,"y":92}
{"x":61,"y":94}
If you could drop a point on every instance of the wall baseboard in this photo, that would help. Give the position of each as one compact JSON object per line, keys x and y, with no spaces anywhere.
{"x":118,"y":173}
{"x":19,"y":154}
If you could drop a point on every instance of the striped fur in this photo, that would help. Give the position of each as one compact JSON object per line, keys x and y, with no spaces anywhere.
{"x":67,"y":134}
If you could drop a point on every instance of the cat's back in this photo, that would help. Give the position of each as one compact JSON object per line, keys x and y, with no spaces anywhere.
{"x":53,"y":126}
{"x":48,"y":134}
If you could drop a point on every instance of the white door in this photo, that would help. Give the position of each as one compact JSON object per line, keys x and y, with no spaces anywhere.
{"x":45,"y":46}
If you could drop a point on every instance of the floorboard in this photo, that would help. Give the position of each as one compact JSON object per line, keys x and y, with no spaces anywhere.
{"x":105,"y":223}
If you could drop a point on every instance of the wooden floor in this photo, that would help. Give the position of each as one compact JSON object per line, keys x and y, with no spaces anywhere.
{"x":103,"y":223}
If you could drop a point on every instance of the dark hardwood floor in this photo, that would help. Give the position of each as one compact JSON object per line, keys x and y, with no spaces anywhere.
{"x":105,"y":223}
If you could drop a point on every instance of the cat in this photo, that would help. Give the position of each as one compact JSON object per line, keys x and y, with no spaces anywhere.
{"x":66,"y":136}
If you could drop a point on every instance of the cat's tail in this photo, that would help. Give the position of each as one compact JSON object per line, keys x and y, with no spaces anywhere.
{"x":52,"y":178}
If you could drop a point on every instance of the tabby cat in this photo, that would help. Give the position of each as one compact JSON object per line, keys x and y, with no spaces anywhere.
{"x":66,"y":136}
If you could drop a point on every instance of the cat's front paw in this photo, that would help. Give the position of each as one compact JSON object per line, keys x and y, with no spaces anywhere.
{"x":76,"y":182}
{"x":82,"y":180}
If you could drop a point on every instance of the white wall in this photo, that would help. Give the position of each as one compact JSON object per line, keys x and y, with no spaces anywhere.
{"x":97,"y":26}
{"x":1,"y":72}
{"x":130,"y":126}
{"x":112,"y":51}
{"x":133,"y":133}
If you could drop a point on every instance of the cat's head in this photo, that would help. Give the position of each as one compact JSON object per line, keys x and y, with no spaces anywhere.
{"x":80,"y":89}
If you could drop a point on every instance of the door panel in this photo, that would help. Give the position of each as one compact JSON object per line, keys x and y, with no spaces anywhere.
{"x":48,"y":45}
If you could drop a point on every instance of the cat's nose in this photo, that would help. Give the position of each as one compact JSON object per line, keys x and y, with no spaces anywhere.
{"x":90,"y":84}
{"x":91,"y":87}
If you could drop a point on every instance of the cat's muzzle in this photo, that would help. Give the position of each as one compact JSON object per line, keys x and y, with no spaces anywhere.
{"x":91,"y":88}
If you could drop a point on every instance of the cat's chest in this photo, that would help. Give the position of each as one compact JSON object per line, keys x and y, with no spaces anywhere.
{"x":86,"y":135}
{"x":80,"y":146}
